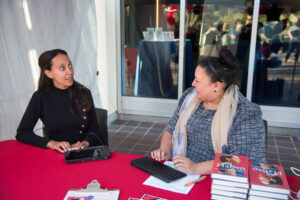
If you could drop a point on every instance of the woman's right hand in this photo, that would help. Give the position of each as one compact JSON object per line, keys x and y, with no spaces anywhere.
{"x":59,"y":146}
{"x":161,"y":154}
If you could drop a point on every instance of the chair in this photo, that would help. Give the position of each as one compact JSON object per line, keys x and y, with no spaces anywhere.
{"x":266,"y":130}
{"x":102,"y":123}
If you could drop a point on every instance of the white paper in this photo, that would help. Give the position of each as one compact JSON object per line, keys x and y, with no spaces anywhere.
{"x":109,"y":195}
{"x":177,"y":186}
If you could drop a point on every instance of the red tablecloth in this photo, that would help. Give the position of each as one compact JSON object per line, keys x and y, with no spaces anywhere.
{"x":28,"y":172}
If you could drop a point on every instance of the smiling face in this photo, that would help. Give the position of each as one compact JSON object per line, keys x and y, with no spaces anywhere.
{"x":203,"y":85}
{"x":61,"y":72}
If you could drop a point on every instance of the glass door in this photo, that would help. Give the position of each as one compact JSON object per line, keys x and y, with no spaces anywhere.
{"x":162,"y":42}
{"x":276,"y":75}
{"x":151,"y":54}
{"x":213,"y":25}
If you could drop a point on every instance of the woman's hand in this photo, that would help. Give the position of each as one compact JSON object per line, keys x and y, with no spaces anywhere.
{"x":59,"y":146}
{"x":80,"y":145}
{"x":185,"y":164}
{"x":161,"y":154}
{"x":164,"y":152}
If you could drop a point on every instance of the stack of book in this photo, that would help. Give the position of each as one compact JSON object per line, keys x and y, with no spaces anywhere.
{"x":267,"y":182}
{"x":230,"y":177}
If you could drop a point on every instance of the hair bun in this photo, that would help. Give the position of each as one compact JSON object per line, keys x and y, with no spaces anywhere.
{"x":228,"y":59}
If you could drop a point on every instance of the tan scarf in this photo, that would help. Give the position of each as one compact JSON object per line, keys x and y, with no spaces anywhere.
{"x":221,"y":123}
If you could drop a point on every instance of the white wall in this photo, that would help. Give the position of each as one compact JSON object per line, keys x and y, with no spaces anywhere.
{"x":29,"y":27}
{"x":107,"y":54}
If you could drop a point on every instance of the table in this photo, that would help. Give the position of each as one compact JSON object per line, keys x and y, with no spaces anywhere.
{"x":28,"y":172}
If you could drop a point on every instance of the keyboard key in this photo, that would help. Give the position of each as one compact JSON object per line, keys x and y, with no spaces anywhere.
{"x":157,"y":169}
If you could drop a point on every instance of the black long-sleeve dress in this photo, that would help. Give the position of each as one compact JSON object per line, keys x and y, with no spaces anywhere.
{"x":60,"y":123}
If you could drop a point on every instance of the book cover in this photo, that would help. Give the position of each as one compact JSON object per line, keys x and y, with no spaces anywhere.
{"x":268,"y":178}
{"x":230,"y":167}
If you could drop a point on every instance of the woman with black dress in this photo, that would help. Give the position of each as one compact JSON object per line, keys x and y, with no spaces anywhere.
{"x":65,"y":107}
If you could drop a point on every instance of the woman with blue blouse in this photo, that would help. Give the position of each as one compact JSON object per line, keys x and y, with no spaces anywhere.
{"x":213,"y":117}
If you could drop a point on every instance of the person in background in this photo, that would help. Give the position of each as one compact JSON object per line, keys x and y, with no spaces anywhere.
{"x":210,"y":48}
{"x":234,"y":35}
{"x":235,"y":31}
{"x":65,"y":107}
{"x":294,"y":43}
{"x":212,"y":117}
{"x":225,"y":36}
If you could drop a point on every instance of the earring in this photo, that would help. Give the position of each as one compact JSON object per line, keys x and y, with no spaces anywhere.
{"x":215,"y":91}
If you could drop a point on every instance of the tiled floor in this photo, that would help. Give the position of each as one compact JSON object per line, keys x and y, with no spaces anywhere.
{"x":142,"y":137}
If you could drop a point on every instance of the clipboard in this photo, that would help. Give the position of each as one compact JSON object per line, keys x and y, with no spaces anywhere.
{"x":92,"y":191}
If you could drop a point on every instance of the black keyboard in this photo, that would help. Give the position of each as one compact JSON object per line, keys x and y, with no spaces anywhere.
{"x":157,"y":169}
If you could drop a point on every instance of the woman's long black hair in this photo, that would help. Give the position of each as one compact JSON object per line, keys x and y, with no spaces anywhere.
{"x":79,"y":95}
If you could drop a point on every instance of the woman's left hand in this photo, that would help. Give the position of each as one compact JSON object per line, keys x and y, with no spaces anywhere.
{"x":80,"y":145}
{"x":186,"y":165}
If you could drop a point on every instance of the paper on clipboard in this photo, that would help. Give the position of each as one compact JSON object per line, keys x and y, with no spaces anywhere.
{"x":93,"y":191}
{"x":177,"y":186}
{"x":109,"y":195}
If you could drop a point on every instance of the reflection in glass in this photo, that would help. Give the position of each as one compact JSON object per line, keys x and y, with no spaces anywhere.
{"x":209,"y":27}
{"x":276,"y":81}
{"x":151,"y":51}
{"x":214,"y":25}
